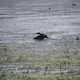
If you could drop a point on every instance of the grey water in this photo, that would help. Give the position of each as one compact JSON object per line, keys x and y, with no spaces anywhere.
{"x":21,"y":19}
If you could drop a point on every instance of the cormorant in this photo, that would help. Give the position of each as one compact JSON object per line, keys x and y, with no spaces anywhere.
{"x":77,"y":38}
{"x":40,"y":36}
{"x":74,"y":4}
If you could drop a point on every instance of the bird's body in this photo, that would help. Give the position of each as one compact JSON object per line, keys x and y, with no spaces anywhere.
{"x":74,"y":4}
{"x":40,"y":36}
{"x":77,"y":38}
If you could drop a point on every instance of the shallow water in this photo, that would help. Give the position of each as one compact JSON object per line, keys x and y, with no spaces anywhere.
{"x":21,"y":19}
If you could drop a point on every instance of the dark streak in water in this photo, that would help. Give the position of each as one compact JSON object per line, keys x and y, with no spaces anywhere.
{"x":3,"y":14}
{"x":76,"y":23}
{"x":6,"y":17}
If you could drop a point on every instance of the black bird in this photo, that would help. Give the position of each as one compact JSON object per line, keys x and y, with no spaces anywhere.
{"x":74,"y":4}
{"x":77,"y":38}
{"x":40,"y":36}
